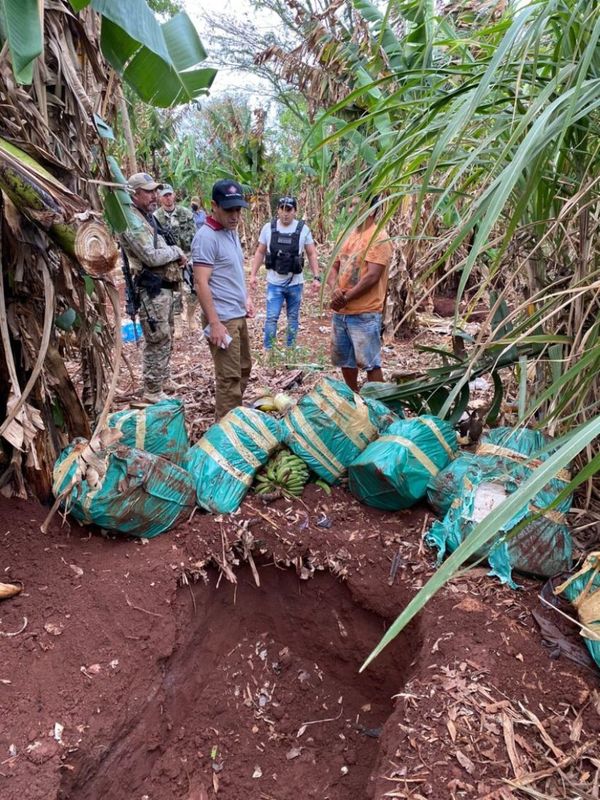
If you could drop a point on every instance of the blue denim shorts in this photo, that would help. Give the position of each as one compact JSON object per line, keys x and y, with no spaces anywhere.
{"x":356,"y":341}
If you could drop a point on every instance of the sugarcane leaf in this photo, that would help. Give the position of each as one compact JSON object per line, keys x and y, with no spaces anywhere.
{"x":587,"y":361}
{"x":460,"y":406}
{"x":440,"y":351}
{"x":500,"y":324}
{"x":23,"y":25}
{"x":555,"y":358}
{"x":496,"y":405}
{"x":538,"y":338}
{"x":490,"y":526}
{"x":522,"y":398}
{"x":436,"y":400}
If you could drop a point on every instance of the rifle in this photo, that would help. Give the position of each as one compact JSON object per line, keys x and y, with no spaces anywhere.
{"x":165,"y":231}
{"x":188,"y":276}
{"x":168,"y":236}
{"x":132,"y":297}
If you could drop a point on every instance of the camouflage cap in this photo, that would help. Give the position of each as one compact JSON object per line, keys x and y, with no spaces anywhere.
{"x":166,"y":189}
{"x":141,"y":180}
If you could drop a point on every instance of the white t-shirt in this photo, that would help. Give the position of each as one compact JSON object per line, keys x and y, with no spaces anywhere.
{"x":305,"y":238}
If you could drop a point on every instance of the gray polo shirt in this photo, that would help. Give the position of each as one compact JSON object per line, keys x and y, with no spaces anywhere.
{"x":221,"y":250}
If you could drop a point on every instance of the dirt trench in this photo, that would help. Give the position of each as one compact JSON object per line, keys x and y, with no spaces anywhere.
{"x":260,"y":698}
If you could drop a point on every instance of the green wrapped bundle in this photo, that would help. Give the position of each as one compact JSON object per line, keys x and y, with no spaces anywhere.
{"x":393,"y":472}
{"x":447,"y":484}
{"x":158,"y":429}
{"x":543,"y":547}
{"x":224,"y":462}
{"x":524,"y":446}
{"x":582,"y":590}
{"x":123,"y":489}
{"x":521,"y":444}
{"x":332,"y":425}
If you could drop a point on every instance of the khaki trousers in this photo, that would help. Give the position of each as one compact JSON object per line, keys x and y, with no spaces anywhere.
{"x":232,"y":367}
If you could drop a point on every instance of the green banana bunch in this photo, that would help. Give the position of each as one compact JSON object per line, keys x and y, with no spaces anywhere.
{"x":284,"y":473}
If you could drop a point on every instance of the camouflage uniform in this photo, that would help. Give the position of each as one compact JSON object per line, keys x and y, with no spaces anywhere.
{"x":156,"y":313}
{"x":181,"y":224}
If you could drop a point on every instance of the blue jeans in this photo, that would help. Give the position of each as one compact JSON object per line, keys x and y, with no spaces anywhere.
{"x":277,"y":295}
{"x":356,"y":341}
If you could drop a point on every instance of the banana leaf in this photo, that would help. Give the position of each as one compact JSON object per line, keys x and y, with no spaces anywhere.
{"x":160,"y":61}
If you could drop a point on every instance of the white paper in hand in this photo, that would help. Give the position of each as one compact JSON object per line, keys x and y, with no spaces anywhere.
{"x":225,"y":344}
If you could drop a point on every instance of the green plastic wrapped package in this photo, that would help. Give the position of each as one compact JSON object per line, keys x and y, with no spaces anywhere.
{"x":523,"y":446}
{"x":542,"y":547}
{"x":226,"y":459}
{"x":447,"y":484}
{"x":582,"y":590}
{"x":122,"y":489}
{"x":158,"y":429}
{"x":393,"y":472}
{"x":331,"y":425}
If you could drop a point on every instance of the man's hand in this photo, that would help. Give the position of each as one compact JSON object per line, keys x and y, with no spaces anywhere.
{"x":250,"y":307}
{"x":338,"y":300}
{"x":315,"y":287}
{"x":218,"y":334}
{"x":182,"y":258}
{"x":252,"y":282}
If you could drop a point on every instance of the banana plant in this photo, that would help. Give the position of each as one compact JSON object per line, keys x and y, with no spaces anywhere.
{"x":160,"y":61}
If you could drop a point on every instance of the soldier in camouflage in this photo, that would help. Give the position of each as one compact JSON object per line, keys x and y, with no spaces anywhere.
{"x":157,"y":269}
{"x":180,"y":222}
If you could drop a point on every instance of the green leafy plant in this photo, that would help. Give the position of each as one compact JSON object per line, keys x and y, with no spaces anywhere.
{"x":161,"y":61}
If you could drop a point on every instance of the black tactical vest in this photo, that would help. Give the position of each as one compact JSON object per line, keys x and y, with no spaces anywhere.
{"x":282,"y":255}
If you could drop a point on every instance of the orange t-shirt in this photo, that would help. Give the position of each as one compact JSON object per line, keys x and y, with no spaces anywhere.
{"x":358,"y":249}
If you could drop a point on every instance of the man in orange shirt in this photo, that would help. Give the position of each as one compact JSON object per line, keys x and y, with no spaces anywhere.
{"x":358,"y":282}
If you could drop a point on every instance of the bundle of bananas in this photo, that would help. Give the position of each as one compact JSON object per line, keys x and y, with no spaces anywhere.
{"x":284,"y":473}
{"x":279,"y":402}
